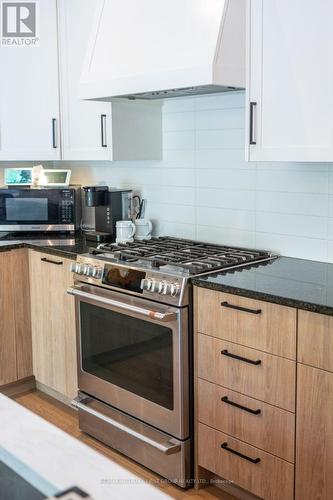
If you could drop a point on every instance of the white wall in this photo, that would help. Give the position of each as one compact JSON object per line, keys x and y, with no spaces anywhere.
{"x":204,"y":189}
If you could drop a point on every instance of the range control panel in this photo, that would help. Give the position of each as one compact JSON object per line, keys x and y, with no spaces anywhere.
{"x":155,"y":285}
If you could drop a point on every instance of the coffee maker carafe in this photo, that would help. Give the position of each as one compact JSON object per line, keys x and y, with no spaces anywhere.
{"x":109,"y":205}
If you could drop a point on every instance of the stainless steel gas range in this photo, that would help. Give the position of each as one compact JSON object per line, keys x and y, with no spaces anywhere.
{"x":134,"y":339}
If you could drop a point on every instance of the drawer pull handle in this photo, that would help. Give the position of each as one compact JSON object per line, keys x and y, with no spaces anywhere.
{"x":253,"y":460}
{"x":57,"y":263}
{"x":240,"y":308}
{"x":225,"y":352}
{"x":225,"y":399}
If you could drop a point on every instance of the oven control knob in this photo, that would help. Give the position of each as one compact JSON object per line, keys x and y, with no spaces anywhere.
{"x":166,"y":288}
{"x":85,"y":269}
{"x":97,"y":272}
{"x":153,"y":285}
{"x":79,"y":268}
{"x":160,"y":286}
{"x":174,"y":289}
{"x":89,"y":271}
{"x":146,"y":284}
{"x":72,"y":267}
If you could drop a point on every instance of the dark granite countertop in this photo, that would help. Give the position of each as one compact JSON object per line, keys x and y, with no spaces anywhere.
{"x":63,"y":245}
{"x":304,"y":284}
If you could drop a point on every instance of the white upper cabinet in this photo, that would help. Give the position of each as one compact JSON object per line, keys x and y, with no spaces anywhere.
{"x":29,"y":97}
{"x":86,"y":125}
{"x":290,"y":80}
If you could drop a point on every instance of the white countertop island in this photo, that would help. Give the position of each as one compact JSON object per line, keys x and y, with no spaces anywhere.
{"x":52,"y":460}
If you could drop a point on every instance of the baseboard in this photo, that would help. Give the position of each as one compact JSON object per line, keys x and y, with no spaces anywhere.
{"x":15,"y":388}
{"x":232,"y":489}
{"x":53,"y":393}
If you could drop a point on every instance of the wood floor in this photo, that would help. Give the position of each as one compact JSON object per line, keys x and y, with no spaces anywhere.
{"x":66,"y":419}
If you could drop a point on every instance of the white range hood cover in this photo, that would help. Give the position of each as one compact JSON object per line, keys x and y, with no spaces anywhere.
{"x":148,"y":46}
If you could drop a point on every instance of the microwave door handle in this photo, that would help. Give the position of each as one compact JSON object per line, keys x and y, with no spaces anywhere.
{"x":160,"y":316}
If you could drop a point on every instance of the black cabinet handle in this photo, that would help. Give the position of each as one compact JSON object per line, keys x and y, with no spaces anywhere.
{"x":252,"y":460}
{"x":252,"y":106}
{"x":54,"y":133}
{"x":225,"y":399}
{"x":103,"y":130}
{"x":240,"y":308}
{"x":225,"y":352}
{"x":57,"y":263}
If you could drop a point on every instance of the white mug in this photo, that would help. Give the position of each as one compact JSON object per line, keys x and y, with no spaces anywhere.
{"x":125,"y":231}
{"x":143,"y":229}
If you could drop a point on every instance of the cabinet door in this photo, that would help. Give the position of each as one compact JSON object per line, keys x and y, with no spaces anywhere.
{"x":314,"y":434}
{"x":21,"y":307}
{"x":8,"y":366}
{"x":53,"y":323}
{"x":290,"y":80}
{"x":29,"y":97}
{"x":86,"y":125}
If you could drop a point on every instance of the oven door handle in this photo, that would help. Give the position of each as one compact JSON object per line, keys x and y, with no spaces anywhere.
{"x":160,"y":316}
{"x":167,"y":448}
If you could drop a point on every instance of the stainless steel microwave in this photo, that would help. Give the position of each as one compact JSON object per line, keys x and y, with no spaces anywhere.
{"x":26,"y":209}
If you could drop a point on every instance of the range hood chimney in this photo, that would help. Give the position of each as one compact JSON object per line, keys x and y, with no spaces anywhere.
{"x":154,"y":49}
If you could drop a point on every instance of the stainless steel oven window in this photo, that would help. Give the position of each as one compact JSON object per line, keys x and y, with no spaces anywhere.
{"x":131,"y":353}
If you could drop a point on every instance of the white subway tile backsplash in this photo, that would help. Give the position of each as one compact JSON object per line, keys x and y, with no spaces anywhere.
{"x":226,"y":179}
{"x":169,"y":194}
{"x":292,"y":181}
{"x":178,"y":104}
{"x":179,"y":139}
{"x":171,"y":212}
{"x":225,"y":198}
{"x":175,"y":158}
{"x":220,"y":139}
{"x":292,"y":203}
{"x":293,"y":225}
{"x":220,"y":101}
{"x":225,"y":236}
{"x":293,"y":246}
{"x":204,"y":189}
{"x":222,"y":158}
{"x":176,"y":229}
{"x":220,"y":119}
{"x":226,"y":218}
{"x":178,"y":121}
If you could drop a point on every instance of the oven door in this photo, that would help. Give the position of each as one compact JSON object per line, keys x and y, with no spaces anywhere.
{"x":133,"y":354}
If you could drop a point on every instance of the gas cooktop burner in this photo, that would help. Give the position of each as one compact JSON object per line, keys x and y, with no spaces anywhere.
{"x":186,"y":256}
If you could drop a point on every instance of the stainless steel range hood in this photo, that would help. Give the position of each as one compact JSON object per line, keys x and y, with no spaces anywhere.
{"x":153,"y":49}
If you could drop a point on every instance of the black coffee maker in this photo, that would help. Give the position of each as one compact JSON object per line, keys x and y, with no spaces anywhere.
{"x":109,"y":206}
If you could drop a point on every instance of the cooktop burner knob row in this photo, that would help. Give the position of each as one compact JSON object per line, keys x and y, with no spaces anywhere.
{"x":161,"y":287}
{"x":86,"y":269}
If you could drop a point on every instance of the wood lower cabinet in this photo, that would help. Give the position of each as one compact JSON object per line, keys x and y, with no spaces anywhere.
{"x":15,"y":329}
{"x":250,"y":420}
{"x":314,"y":435}
{"x":248,"y":371}
{"x":250,"y":468}
{"x":53,"y":323}
{"x":315,"y":340}
{"x":245,"y":393}
{"x":252,"y":323}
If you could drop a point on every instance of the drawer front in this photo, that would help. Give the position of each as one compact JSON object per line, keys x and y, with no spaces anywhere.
{"x":271,"y":379}
{"x":269,"y":478}
{"x":315,"y":340}
{"x":252,"y":421}
{"x":260,"y":325}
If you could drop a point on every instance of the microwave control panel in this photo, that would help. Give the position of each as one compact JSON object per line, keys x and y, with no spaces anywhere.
{"x":67,"y":204}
